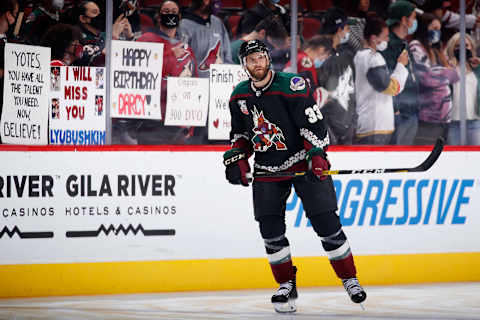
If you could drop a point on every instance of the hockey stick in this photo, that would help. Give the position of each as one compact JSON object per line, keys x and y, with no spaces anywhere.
{"x":424,"y":166}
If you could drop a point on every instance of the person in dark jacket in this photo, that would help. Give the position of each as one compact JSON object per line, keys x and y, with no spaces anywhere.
{"x":336,"y":76}
{"x":402,"y":22}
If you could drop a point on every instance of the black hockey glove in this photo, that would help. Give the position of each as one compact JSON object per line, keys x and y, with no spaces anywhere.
{"x":237,"y":167}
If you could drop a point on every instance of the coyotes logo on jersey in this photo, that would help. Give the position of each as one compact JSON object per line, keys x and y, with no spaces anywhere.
{"x":267,"y":134}
{"x":213,"y":57}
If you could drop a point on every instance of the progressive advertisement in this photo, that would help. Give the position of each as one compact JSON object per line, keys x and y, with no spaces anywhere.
{"x":160,"y":205}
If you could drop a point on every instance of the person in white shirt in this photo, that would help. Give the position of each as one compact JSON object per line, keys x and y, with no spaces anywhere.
{"x":472,"y":91}
{"x":375,"y":85}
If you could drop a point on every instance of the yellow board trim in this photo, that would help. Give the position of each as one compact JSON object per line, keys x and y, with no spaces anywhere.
{"x":225,"y":274}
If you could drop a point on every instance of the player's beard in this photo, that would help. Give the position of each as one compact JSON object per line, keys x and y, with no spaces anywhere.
{"x":258,"y":73}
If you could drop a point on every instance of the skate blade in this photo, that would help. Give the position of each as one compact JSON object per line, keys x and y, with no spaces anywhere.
{"x":287,"y":307}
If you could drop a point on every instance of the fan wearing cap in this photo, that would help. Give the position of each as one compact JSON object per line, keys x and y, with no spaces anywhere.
{"x":336,"y":76}
{"x":402,"y":23}
{"x":275,"y":117}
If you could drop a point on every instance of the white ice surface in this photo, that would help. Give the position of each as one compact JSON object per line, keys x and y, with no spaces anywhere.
{"x":436,"y":301}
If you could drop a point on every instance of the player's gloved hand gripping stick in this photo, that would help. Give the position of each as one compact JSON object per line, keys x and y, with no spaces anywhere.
{"x":237,"y":168}
{"x":318,"y":165}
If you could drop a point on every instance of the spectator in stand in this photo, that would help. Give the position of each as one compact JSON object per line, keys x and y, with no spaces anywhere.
{"x":166,"y":30}
{"x":129,"y":9}
{"x":315,"y":52}
{"x":472,"y":90}
{"x":47,"y":14}
{"x":375,"y":85}
{"x":357,"y":12}
{"x":450,"y":20}
{"x":122,"y":29}
{"x":91,"y":23}
{"x":178,"y":61}
{"x":8,"y":16}
{"x":206,"y":35}
{"x":268,"y":30}
{"x":261,"y":10}
{"x":336,"y":75}
{"x":402,"y":23}
{"x":435,"y":76}
{"x":64,"y":41}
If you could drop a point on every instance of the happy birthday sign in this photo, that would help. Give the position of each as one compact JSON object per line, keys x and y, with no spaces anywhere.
{"x":136,"y":76}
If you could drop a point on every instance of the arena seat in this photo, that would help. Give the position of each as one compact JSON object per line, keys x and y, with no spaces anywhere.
{"x":232,"y":24}
{"x":232,"y":4}
{"x":151,"y":3}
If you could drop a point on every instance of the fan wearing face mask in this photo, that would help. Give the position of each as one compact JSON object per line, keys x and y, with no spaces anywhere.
{"x":178,"y":61}
{"x":450,"y":17}
{"x":336,"y":75}
{"x":315,"y":52}
{"x":311,"y":58}
{"x":376,"y":85}
{"x":46,"y":15}
{"x":435,"y":76}
{"x":91,"y":22}
{"x":8,"y":15}
{"x":402,"y":21}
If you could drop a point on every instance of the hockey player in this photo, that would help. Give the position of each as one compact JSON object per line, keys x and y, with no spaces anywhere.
{"x":275,"y":116}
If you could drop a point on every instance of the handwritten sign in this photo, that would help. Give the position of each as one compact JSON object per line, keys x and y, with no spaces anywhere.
{"x":136,"y":76}
{"x":77,"y":110}
{"x":187,"y":102}
{"x":223,"y":79}
{"x":25,"y":95}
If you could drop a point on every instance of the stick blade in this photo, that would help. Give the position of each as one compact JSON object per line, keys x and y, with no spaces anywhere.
{"x":432,"y":157}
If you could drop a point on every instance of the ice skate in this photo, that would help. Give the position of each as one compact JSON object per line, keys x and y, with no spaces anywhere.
{"x":284,"y":299}
{"x":354,"y":290}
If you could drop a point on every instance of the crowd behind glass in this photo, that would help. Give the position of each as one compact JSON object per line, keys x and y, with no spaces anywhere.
{"x":383,"y":72}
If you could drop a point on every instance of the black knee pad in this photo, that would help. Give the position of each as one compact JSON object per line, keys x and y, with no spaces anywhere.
{"x":272,"y":226}
{"x":326,"y":224}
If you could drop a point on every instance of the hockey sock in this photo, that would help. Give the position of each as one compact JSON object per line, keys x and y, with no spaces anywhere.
{"x":278,"y":253}
{"x":339,"y":254}
{"x":335,"y":243}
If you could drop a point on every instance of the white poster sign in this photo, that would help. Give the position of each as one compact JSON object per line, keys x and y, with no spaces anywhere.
{"x":77,"y":110}
{"x":136,"y":77}
{"x":187,"y":102}
{"x":223,"y":79}
{"x":25,"y":95}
